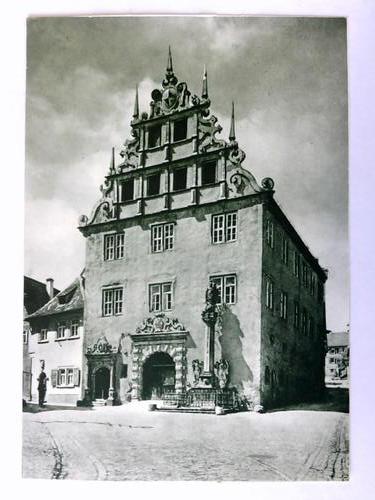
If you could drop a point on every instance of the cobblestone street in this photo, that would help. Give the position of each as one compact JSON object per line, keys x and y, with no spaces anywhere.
{"x":130,"y":443}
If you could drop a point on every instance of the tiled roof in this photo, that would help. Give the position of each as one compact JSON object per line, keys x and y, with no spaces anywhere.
{"x":34,"y":295}
{"x":336,"y":339}
{"x":69,"y":299}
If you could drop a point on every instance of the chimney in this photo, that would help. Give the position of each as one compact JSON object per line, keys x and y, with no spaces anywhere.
{"x":49,"y":287}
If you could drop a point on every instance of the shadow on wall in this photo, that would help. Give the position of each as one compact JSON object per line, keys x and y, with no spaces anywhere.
{"x":231,"y":348}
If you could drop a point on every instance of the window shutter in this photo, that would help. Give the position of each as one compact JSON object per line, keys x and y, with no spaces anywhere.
{"x":54,"y":378}
{"x":76,"y":374}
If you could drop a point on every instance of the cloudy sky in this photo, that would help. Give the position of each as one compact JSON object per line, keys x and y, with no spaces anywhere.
{"x":287,"y":76}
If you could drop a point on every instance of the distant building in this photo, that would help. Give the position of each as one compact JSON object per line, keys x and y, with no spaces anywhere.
{"x":56,"y":338}
{"x":35,"y":295}
{"x":179,"y":209}
{"x":337,"y":358}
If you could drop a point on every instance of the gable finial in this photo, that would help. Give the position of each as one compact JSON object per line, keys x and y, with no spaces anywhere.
{"x":169,"y":63}
{"x":232,"y":133}
{"x":136,"y":104}
{"x":204,"y":83}
{"x":112,"y":164}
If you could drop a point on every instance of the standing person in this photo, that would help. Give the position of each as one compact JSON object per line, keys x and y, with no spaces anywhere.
{"x":42,"y":386}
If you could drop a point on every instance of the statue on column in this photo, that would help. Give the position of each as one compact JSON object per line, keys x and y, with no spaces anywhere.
{"x":209,"y":314}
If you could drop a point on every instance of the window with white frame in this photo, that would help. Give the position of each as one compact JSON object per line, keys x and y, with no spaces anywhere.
{"x":25,"y":336}
{"x":160,"y":297}
{"x":43,"y":335}
{"x":74,"y":328}
{"x":112,"y":301}
{"x":269,"y":293}
{"x":285,"y":250}
{"x":65,"y":377}
{"x":283,"y":305}
{"x":224,"y":227}
{"x":114,"y":246}
{"x":270,"y":233}
{"x":162,"y":237}
{"x":297,"y":264}
{"x":227,"y":288}
{"x":60,"y":333}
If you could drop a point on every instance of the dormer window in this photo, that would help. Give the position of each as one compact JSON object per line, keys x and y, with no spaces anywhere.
{"x":153,"y":184}
{"x":180,"y":129}
{"x":154,"y":136}
{"x":208,"y":172}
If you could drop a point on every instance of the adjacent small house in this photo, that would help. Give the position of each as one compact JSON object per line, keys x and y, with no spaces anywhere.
{"x":35,"y":295}
{"x":337,"y":358}
{"x":55,"y":342}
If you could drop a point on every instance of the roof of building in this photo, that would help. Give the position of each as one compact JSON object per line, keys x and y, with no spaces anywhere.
{"x":34,"y":295}
{"x":69,"y":299}
{"x":336,"y":339}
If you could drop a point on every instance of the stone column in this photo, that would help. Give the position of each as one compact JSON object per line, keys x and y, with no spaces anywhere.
{"x":209,"y":316}
{"x":111,"y":392}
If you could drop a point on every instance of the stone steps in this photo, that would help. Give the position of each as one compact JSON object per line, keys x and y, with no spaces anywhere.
{"x":99,"y":402}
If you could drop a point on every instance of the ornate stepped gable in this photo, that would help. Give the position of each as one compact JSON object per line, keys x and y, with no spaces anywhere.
{"x":174,"y":97}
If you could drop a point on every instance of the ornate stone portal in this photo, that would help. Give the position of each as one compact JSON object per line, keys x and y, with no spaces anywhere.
{"x":159,"y":333}
{"x":101,"y":355}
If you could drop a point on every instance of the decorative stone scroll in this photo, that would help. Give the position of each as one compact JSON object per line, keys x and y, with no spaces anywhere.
{"x":101,"y":346}
{"x":208,"y":128}
{"x":102,"y":212}
{"x":160,"y":323}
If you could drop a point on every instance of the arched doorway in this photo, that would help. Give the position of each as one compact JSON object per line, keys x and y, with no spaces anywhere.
{"x":102,"y":383}
{"x":159,"y":375}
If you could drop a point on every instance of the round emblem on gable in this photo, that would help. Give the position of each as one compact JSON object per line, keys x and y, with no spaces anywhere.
{"x":169,"y":98}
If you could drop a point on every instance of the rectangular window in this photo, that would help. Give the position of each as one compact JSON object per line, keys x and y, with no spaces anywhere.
{"x":179,"y":179}
{"x":66,"y":377}
{"x":153,"y":184}
{"x":296,"y":315}
{"x":285,"y":251}
{"x":227,"y":288}
{"x":305,"y":279}
{"x":114,"y":246}
{"x":162,"y":237}
{"x":69,"y":376}
{"x":269,"y":293}
{"x":74,"y":328}
{"x":179,"y":129}
{"x":208,"y":172}
{"x":127,"y":190}
{"x":25,"y":336}
{"x":283,"y":305}
{"x":297,"y":264}
{"x":270,"y":233}
{"x":43,"y":335}
{"x":60,"y":334}
{"x":160,"y":297}
{"x":112,"y":301}
{"x":154,"y":136}
{"x":224,"y":227}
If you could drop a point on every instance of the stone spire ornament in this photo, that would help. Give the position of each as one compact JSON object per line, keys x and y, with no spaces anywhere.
{"x":232,"y":133}
{"x":136,"y":105}
{"x":112,"y":167}
{"x":170,"y":78}
{"x":204,"y":84}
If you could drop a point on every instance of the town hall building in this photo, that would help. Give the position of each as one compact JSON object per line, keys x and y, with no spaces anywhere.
{"x":179,"y":210}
